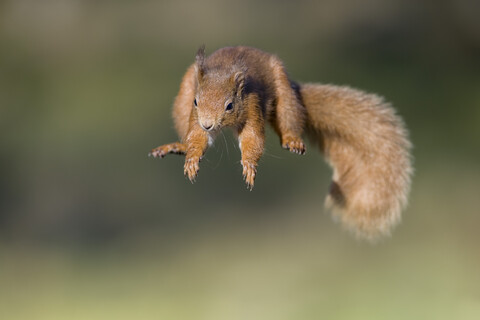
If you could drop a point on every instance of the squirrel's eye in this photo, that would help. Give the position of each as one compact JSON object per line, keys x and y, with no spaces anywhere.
{"x":229,"y":106}
{"x":195,"y":102}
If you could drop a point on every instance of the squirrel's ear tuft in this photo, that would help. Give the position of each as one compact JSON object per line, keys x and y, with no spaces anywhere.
{"x":200,"y":62}
{"x":239,"y":78}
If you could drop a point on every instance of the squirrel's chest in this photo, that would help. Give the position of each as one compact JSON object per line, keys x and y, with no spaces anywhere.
{"x":266,"y":97}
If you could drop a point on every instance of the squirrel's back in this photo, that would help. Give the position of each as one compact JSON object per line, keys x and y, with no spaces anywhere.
{"x":367,"y":145}
{"x":252,"y":61}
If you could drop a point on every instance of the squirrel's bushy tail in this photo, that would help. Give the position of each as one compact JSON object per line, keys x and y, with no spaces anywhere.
{"x":367,"y":145}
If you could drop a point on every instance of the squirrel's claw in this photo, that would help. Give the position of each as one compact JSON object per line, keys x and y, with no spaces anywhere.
{"x":191,"y":168}
{"x":157,"y":153}
{"x":249,"y":173}
{"x":294,"y":144}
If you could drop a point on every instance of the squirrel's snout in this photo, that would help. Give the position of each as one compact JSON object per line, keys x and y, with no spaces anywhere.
{"x":207,"y":126}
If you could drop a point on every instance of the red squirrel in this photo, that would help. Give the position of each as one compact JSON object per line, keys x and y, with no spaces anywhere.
{"x":360,"y":135}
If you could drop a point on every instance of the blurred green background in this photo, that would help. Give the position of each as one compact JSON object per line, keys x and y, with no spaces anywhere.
{"x":91,"y":228}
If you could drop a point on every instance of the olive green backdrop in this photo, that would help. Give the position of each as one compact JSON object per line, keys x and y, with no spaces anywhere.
{"x":91,"y":228}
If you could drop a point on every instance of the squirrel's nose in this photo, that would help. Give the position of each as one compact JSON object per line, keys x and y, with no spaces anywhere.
{"x":206,"y":127}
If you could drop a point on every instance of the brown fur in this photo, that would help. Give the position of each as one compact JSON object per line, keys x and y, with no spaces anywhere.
{"x":360,"y":135}
{"x":367,"y":146}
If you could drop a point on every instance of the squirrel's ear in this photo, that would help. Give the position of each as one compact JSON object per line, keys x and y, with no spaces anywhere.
{"x":200,"y":62}
{"x":239,"y":78}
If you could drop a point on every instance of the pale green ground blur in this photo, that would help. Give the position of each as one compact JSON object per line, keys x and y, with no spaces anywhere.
{"x":90,"y":228}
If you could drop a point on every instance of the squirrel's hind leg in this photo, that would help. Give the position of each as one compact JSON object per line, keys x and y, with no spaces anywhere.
{"x":181,"y":113}
{"x":162,"y":151}
{"x":290,"y":115}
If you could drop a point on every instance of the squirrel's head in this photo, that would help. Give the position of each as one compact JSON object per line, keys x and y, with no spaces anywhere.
{"x":218,"y":97}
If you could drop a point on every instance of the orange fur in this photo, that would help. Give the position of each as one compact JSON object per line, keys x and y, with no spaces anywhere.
{"x":368,"y":148}
{"x":359,"y":134}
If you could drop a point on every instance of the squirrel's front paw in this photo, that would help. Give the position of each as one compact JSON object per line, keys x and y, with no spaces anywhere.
{"x":191,"y":168}
{"x":294,"y":144}
{"x":249,"y":172}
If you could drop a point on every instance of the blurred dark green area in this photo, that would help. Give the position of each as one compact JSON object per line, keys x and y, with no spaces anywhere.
{"x":90,"y":227}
